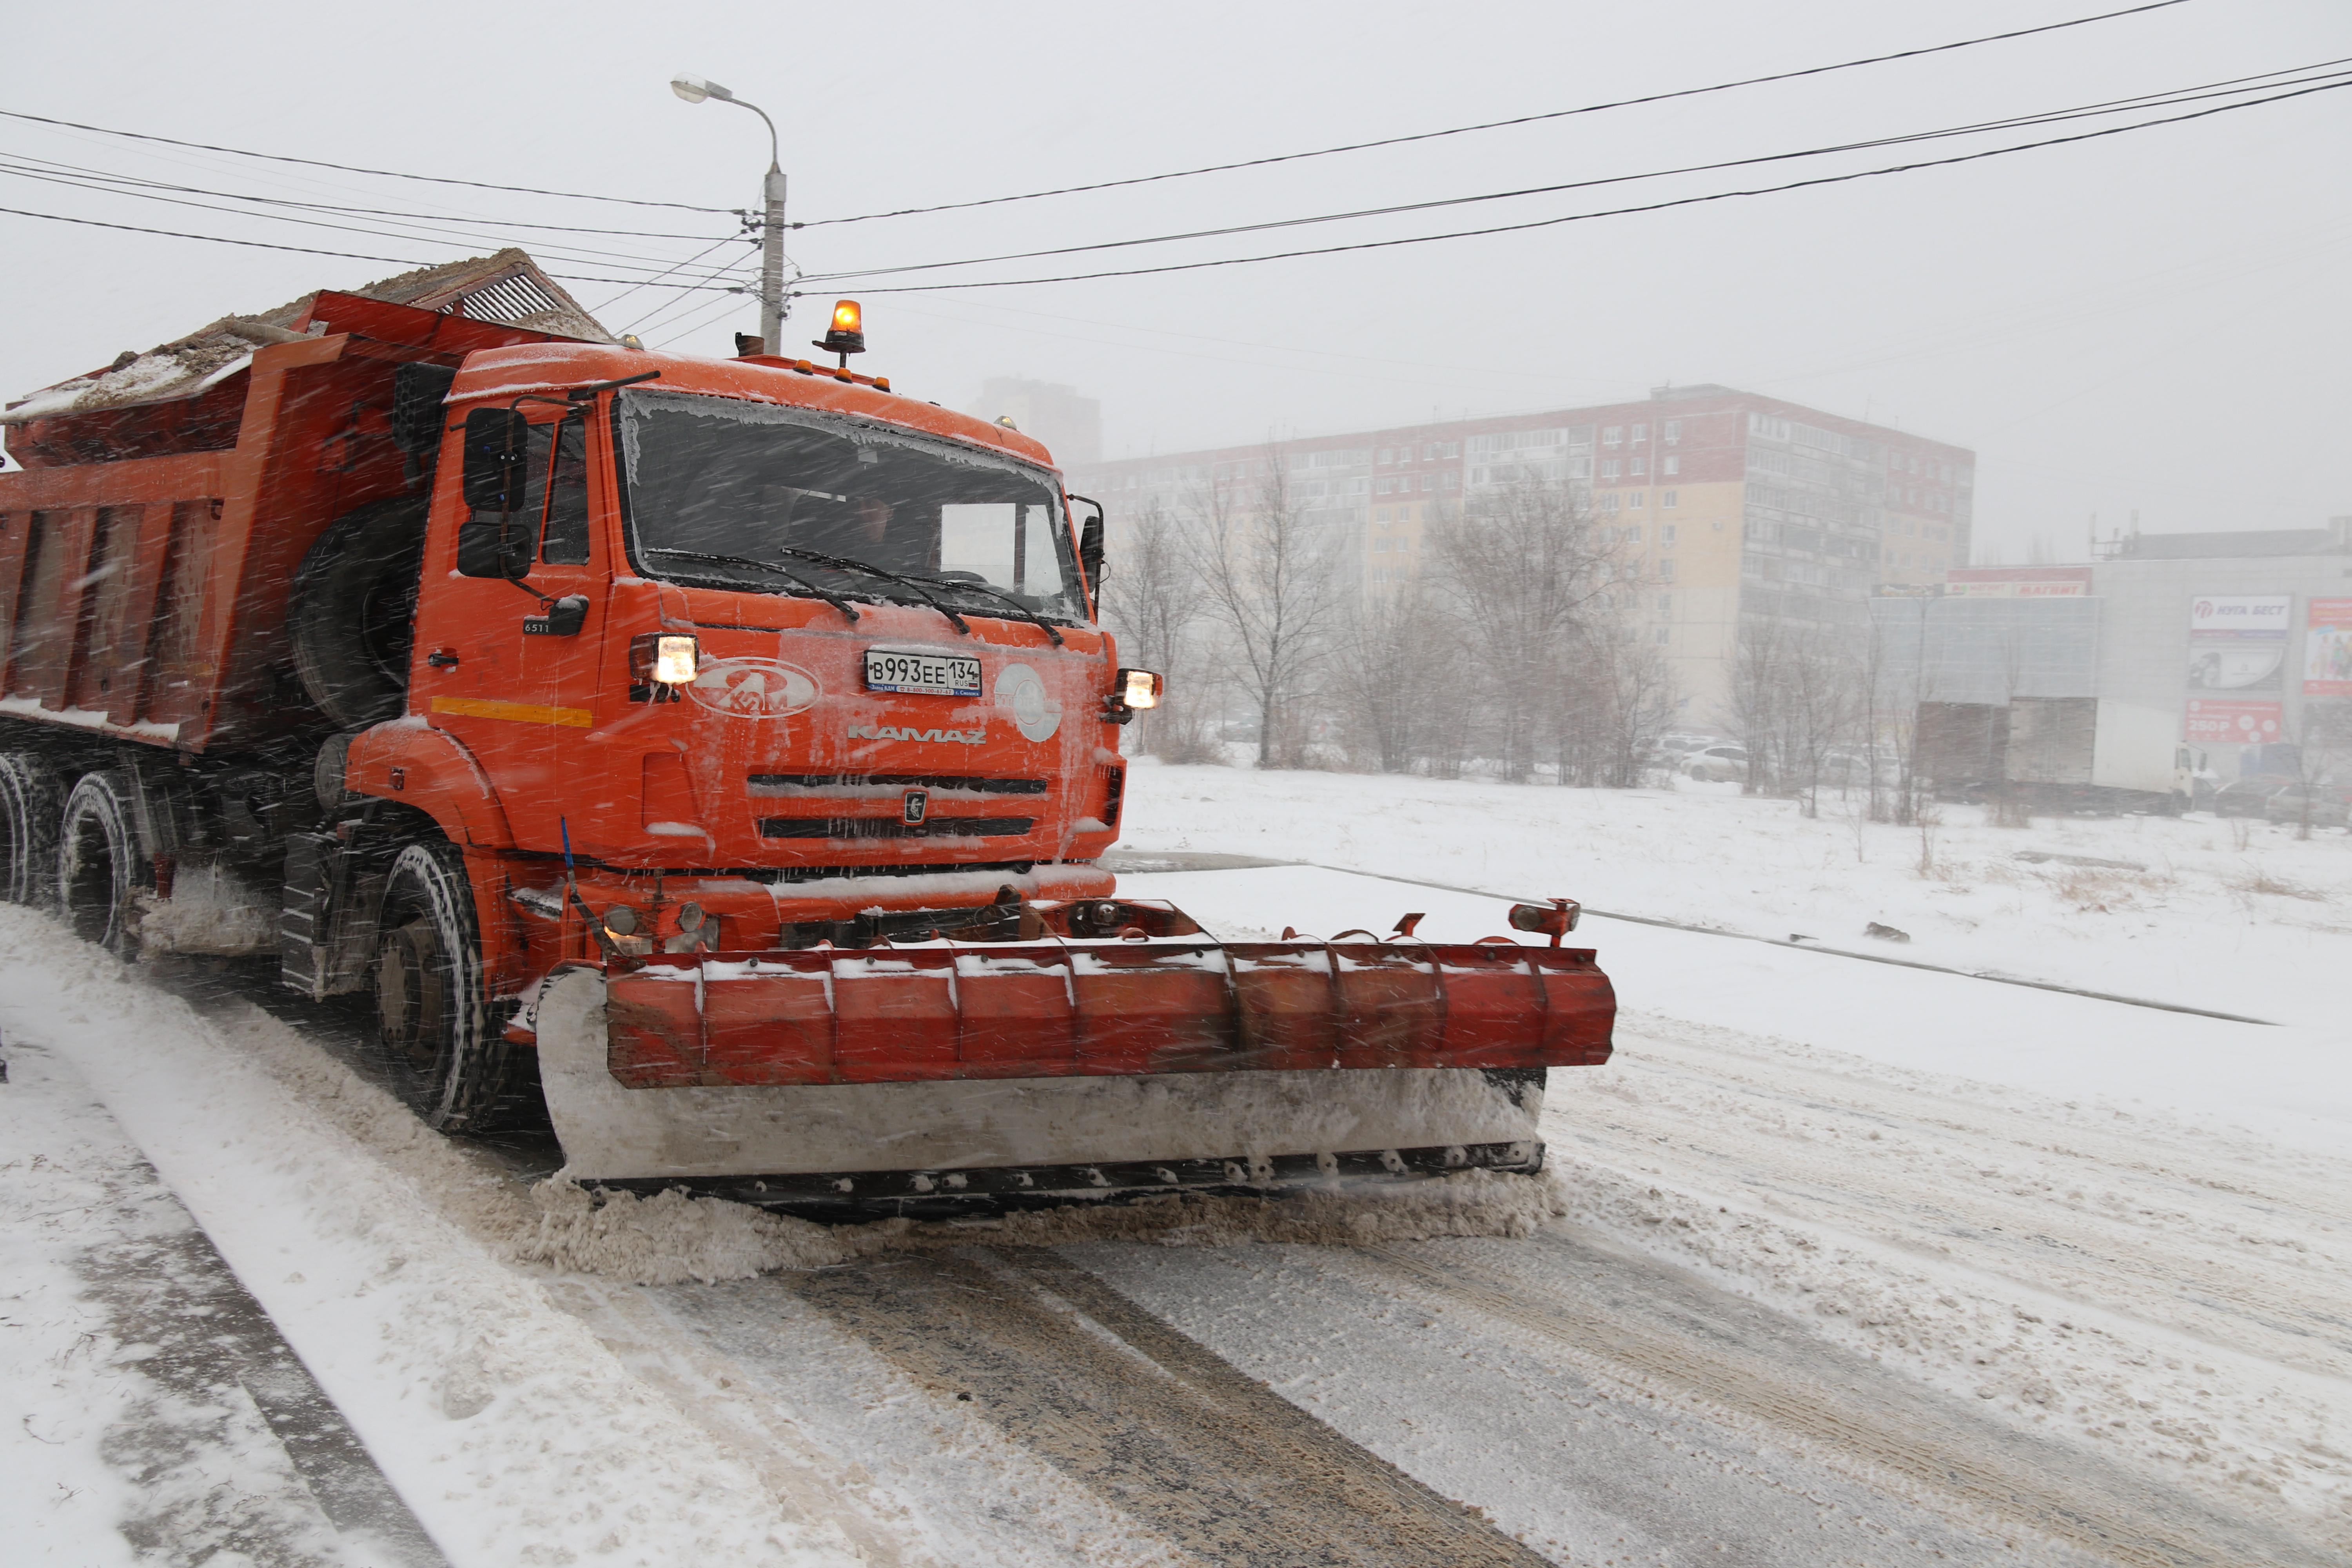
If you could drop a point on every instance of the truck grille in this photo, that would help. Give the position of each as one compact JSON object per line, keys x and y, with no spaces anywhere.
{"x":891,"y":827}
{"x":882,"y":783}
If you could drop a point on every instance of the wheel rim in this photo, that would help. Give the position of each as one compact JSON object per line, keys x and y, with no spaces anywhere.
{"x":91,"y":884}
{"x":412,"y":991}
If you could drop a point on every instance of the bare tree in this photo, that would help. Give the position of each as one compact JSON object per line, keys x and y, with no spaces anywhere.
{"x":1270,"y":575}
{"x":1526,"y":569}
{"x":1399,"y":667}
{"x":1757,"y":696}
{"x":1152,"y":596}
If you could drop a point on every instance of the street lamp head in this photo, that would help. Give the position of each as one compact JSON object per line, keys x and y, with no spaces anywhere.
{"x":694,"y":89}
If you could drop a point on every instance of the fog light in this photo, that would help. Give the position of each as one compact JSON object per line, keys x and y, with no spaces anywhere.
{"x":1138,"y":689}
{"x":677,"y":660}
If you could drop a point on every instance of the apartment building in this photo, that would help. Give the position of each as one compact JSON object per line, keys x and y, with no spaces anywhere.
{"x":1724,"y":504}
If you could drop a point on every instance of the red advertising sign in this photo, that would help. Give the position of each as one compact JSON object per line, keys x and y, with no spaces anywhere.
{"x":2328,"y":649}
{"x":2212,"y":719}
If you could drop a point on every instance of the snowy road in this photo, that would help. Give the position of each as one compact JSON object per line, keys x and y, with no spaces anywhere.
{"x":1803,"y":1307}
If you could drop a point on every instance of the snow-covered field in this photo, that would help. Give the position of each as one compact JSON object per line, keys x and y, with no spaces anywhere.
{"x":2025,"y":1276}
{"x":2233,"y":915}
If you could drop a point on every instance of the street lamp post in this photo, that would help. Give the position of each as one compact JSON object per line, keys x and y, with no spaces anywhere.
{"x":694,"y":89}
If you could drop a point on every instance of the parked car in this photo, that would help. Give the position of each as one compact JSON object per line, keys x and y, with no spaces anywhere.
{"x":2246,"y":797}
{"x":2330,"y":806}
{"x":1718,"y":764}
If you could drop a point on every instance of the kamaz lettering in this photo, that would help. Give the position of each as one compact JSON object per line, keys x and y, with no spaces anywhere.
{"x":894,"y":732}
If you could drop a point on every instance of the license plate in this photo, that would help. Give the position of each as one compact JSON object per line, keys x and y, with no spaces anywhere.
{"x":938,"y":675}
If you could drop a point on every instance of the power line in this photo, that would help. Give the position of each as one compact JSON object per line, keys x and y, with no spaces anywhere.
{"x":386,"y":173}
{"x":2113,"y":106}
{"x":348,"y":254}
{"x":108,"y":176}
{"x":1613,"y":212}
{"x":1497,"y":124}
{"x":468,"y":230}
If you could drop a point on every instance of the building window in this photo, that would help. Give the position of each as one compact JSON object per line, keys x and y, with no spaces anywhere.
{"x":1449,"y":480}
{"x":1388,"y":455}
{"x":1669,"y":498}
{"x":1608,"y":470}
{"x":1671,"y":432}
{"x":1673,"y":464}
{"x":1379,"y":547}
{"x":1640,"y":434}
{"x":1666,"y":603}
{"x":1609,"y":501}
{"x":1612,"y":436}
{"x":1665,"y":570}
{"x":1382,"y":517}
{"x":1636,"y":497}
{"x":1666,"y":634}
{"x":1667,"y":532}
{"x":1633,"y":534}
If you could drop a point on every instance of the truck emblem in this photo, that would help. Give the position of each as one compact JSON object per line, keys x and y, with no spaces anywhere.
{"x":1021,"y":693}
{"x":754,"y":688}
{"x":909,"y":732}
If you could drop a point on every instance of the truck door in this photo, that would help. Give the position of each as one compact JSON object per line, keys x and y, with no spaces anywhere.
{"x":511,"y":668}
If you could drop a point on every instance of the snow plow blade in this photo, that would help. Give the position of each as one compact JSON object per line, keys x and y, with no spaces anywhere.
{"x":1063,"y":1064}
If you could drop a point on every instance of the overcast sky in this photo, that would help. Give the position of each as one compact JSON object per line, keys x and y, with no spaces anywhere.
{"x":2151,"y":323}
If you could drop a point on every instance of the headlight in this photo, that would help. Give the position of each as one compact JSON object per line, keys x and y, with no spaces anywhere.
{"x":677,"y":660}
{"x":1138,"y":689}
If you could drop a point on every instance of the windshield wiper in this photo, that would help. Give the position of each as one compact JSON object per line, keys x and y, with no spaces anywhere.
{"x":835,"y":600}
{"x":1024,"y":611}
{"x":844,"y":563}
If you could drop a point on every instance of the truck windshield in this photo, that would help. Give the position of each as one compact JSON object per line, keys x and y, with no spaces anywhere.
{"x":716,"y":486}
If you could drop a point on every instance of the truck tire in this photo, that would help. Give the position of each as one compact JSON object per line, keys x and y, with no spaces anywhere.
{"x":350,"y":614}
{"x":28,"y":828}
{"x":451,"y":1059}
{"x":100,"y":868}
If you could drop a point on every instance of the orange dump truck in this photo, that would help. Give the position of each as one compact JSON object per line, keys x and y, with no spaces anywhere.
{"x":718,"y":750}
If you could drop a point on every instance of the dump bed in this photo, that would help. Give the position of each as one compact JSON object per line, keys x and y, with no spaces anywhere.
{"x":146,"y":549}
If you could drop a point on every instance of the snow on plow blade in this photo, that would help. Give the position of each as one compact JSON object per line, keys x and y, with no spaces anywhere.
{"x":1063,"y":1064}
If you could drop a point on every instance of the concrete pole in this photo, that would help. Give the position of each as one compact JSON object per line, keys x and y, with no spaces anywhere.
{"x":771,"y":266}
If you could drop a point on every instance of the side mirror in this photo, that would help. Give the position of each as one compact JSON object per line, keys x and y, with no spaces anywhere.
{"x":564,"y":618}
{"x":496,"y":440}
{"x":488,"y":547}
{"x":1090,"y":545}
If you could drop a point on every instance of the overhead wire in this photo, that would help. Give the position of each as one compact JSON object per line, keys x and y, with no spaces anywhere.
{"x":449,"y":229}
{"x":1498,"y":124}
{"x":1662,"y":205}
{"x":108,"y":176}
{"x":356,"y":169}
{"x":2234,"y":85}
{"x":311,"y":250}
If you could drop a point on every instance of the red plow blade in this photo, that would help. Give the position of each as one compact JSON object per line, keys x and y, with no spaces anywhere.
{"x":1061,"y":1008}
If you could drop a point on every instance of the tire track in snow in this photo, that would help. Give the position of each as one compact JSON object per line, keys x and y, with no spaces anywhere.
{"x":1640,"y":1324}
{"x":1161,"y":1428}
{"x":2171,"y":1294}
{"x":2168,"y":1233}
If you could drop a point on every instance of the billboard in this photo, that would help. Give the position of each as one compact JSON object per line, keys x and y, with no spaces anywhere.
{"x":2214,"y":720}
{"x":2237,"y":642}
{"x":2328,"y":649}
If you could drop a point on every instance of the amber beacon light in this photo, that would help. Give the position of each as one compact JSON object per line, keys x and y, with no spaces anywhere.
{"x":847,"y":336}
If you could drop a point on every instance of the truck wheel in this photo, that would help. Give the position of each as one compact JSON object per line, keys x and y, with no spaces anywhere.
{"x":451,"y":1060}
{"x":99,"y":869}
{"x":350,"y":613}
{"x":28,"y":828}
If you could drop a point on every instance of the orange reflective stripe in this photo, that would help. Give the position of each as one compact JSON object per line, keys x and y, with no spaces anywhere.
{"x":519,"y":712}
